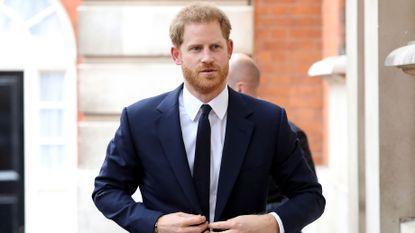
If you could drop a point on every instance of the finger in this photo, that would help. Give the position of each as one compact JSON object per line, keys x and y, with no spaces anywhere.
{"x":193,"y":220}
{"x":223,"y":225}
{"x":183,"y":214}
{"x":199,"y":228}
{"x":187,"y":215}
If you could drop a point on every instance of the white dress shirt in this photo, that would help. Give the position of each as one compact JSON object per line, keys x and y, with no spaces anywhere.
{"x":189,"y":107}
{"x":190,"y":112}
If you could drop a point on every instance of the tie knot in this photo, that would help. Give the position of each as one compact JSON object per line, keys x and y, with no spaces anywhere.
{"x":205,"y":109}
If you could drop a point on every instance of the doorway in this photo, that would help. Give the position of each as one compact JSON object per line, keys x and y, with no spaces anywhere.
{"x":11,"y":153}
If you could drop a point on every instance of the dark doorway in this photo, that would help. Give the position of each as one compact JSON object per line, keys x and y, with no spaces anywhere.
{"x":11,"y":153}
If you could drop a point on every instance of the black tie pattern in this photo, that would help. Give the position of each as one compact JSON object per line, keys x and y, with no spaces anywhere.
{"x":201,"y":167}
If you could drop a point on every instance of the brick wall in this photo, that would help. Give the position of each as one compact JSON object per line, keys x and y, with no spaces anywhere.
{"x":288,"y":39}
{"x":333,"y":27}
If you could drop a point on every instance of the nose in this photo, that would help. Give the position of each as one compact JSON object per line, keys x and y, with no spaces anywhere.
{"x":207,"y":56}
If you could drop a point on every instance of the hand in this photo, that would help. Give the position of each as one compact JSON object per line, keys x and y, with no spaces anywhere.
{"x":181,"y":222}
{"x":247,"y":224}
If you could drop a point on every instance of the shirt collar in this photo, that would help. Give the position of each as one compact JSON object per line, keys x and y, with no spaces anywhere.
{"x":192,"y":104}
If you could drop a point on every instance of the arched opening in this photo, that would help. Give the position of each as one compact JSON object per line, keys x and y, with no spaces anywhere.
{"x":37,"y":41}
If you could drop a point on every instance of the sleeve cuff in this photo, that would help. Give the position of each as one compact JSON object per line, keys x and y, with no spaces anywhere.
{"x":279,"y":221}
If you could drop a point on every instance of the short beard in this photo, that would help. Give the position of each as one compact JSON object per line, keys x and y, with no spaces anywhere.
{"x":202,"y":85}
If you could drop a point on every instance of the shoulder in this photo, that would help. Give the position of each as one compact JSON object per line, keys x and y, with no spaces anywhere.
{"x":155,"y":103}
{"x":147,"y":103}
{"x":258,"y":106}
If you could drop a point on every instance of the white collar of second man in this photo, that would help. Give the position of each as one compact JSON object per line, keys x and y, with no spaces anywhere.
{"x":192,"y":104}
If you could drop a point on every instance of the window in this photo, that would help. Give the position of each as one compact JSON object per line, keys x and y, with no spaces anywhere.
{"x":52,"y":120}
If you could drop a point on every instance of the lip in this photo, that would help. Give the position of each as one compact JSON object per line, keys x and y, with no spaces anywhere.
{"x":208,"y":71}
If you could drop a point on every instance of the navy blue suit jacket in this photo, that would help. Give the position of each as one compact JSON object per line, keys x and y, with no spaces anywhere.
{"x":148,"y":152}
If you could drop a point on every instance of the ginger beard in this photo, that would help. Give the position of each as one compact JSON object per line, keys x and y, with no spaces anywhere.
{"x":206,"y":82}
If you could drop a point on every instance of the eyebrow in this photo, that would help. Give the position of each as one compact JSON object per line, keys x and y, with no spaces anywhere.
{"x":201,"y":44}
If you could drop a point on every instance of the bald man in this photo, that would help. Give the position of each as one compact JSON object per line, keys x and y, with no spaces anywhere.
{"x":244,"y":77}
{"x":243,"y":74}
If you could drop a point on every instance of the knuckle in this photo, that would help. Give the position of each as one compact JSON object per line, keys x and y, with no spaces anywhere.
{"x":237,"y":225}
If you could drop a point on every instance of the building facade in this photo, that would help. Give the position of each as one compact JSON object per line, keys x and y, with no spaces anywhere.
{"x":67,"y":68}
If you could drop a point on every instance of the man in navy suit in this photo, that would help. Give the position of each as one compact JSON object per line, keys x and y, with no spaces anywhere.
{"x":154,"y":149}
{"x":244,"y":77}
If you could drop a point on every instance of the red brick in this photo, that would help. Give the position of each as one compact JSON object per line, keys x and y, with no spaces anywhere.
{"x":307,"y":91}
{"x":307,"y":33}
{"x":307,"y":10}
{"x":288,"y":40}
{"x":308,"y":21}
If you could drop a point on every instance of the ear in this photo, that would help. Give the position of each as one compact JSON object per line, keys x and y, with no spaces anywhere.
{"x":175,"y":54}
{"x":230,"y":48}
{"x":239,"y":87}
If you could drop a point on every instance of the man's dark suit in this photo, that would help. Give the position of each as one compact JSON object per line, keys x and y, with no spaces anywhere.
{"x":148,"y":152}
{"x":275,"y":197}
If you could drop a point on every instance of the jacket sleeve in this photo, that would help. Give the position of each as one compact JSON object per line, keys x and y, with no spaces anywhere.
{"x":118,"y":179}
{"x":296,"y":180}
{"x":302,"y":137}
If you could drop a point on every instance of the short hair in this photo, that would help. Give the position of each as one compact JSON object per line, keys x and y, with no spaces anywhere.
{"x":198,"y":13}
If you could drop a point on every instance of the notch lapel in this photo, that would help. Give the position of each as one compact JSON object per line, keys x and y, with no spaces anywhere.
{"x":238,"y":135}
{"x":170,"y":135}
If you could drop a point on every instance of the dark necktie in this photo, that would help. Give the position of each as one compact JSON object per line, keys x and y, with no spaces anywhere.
{"x":201,"y":167}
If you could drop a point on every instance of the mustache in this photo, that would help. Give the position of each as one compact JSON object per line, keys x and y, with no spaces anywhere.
{"x":207,"y":67}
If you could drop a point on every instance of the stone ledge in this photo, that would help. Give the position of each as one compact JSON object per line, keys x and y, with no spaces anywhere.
{"x":108,"y":88}
{"x":131,"y":30}
{"x":332,"y":68}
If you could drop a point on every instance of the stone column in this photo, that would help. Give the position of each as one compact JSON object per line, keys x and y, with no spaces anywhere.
{"x":355,"y":99}
{"x":334,"y":176}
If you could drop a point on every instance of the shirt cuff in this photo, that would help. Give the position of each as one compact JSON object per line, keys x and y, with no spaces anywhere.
{"x":279,"y":221}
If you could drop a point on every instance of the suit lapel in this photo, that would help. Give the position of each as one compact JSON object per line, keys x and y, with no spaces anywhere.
{"x":238,"y":135}
{"x":171,"y":139}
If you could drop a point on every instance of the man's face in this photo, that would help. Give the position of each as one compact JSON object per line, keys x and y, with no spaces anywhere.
{"x":204,"y":57}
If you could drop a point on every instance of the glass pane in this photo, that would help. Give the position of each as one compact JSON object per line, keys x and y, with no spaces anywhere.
{"x":50,"y":27}
{"x":51,"y":123}
{"x":51,"y":86}
{"x":6,"y":213}
{"x":27,"y":8}
{"x":52,"y":156}
{"x":5,"y":127}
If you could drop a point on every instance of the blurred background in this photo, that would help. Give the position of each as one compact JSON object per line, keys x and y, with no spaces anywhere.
{"x":343,"y":69}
